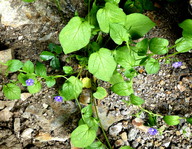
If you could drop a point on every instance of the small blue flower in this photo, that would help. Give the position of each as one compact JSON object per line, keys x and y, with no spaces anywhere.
{"x":58,"y":98}
{"x":29,"y":82}
{"x":177,"y":64}
{"x":152,"y":131}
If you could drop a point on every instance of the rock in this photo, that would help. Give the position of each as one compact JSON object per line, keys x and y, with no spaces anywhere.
{"x":26,"y":134}
{"x":115,"y":130}
{"x":17,"y":126}
{"x":124,"y":136}
{"x":5,"y":55}
{"x":107,"y":119}
{"x":181,"y":87}
{"x":8,"y":104}
{"x":166,"y":144}
{"x":21,"y":13}
{"x":43,"y":137}
{"x":5,"y":115}
{"x":119,"y":143}
{"x":45,"y":105}
{"x":25,"y":96}
{"x":132,"y":134}
{"x":186,"y":131}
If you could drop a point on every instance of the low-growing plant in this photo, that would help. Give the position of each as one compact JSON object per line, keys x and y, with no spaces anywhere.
{"x":114,"y":63}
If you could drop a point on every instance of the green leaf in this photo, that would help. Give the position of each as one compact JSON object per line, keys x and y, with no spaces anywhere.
{"x":111,"y":13}
{"x":40,"y":70}
{"x":71,"y":88}
{"x":183,"y":44}
{"x":68,"y":70}
{"x":45,"y":55}
{"x":14,"y":65}
{"x":28,"y":1}
{"x":23,"y":77}
{"x":124,"y":58}
{"x":138,"y":6}
{"x":28,"y":67}
{"x":100,"y":93}
{"x":187,"y":27}
{"x":130,"y":73}
{"x":123,"y":88}
{"x":96,"y":145}
{"x":138,"y":25}
{"x":152,"y":121}
{"x":75,"y":35}
{"x":83,"y":136}
{"x":113,"y":1}
{"x":142,"y":47}
{"x":11,"y":91}
{"x":158,"y":45}
{"x":102,"y":64}
{"x":35,"y":88}
{"x":171,"y":119}
{"x":116,"y":78}
{"x":87,"y":117}
{"x":135,"y":100}
{"x":50,"y":81}
{"x":126,"y":147}
{"x":118,"y":33}
{"x":55,"y":48}
{"x":152,"y":66}
{"x":87,"y":112}
{"x":55,"y":63}
{"x":189,"y":120}
{"x":92,"y":15}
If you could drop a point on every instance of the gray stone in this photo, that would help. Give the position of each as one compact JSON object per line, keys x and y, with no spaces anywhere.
{"x":5,"y":115}
{"x":26,"y":134}
{"x":17,"y":126}
{"x":132,"y":134}
{"x":20,"y":13}
{"x":116,"y":129}
{"x":107,"y":119}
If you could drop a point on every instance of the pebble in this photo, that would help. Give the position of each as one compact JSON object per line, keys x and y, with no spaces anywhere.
{"x":5,"y":115}
{"x":25,"y":96}
{"x":116,"y":129}
{"x":119,"y":143}
{"x":17,"y":126}
{"x":124,"y":136}
{"x":132,"y":134}
{"x":26,"y":134}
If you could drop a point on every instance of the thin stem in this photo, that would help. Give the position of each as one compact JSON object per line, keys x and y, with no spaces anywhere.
{"x":59,"y":76}
{"x":97,"y":115}
{"x":167,"y":56}
{"x":151,"y":113}
{"x":78,"y":104}
{"x":89,"y":11}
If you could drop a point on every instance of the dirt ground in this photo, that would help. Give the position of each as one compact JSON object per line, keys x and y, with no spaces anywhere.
{"x":37,"y":122}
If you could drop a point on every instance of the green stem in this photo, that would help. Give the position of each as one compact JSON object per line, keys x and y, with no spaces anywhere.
{"x":78,"y":104}
{"x":59,"y":76}
{"x":97,"y":115}
{"x":89,"y":11}
{"x":170,"y":55}
{"x":151,"y":113}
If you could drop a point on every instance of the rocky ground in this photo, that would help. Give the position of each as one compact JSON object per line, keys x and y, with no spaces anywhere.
{"x":37,"y":122}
